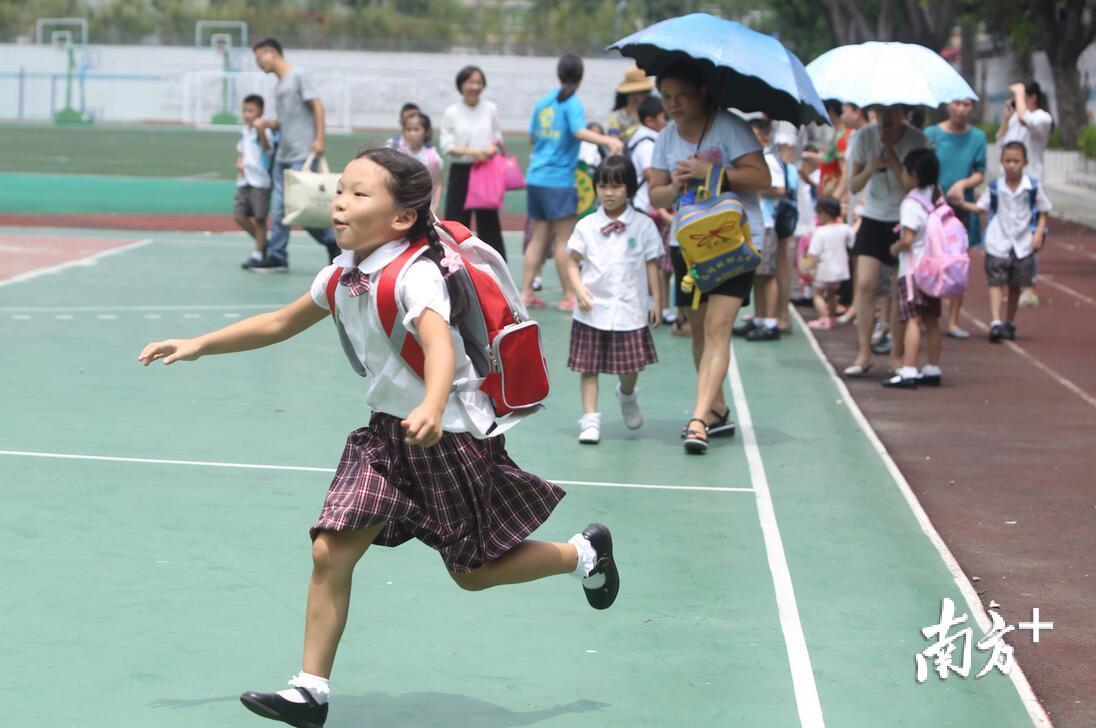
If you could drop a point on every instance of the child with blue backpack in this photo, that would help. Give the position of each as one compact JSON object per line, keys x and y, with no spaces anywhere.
{"x":1017,"y":208}
{"x":920,"y":175}
{"x":431,"y":464}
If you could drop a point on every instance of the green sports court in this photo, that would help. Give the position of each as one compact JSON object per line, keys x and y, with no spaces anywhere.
{"x":155,"y":529}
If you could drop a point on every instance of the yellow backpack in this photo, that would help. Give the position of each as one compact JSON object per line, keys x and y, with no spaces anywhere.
{"x":714,"y":234}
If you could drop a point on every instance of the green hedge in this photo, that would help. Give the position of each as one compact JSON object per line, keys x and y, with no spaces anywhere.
{"x":990,"y":128}
{"x":1086,"y":142}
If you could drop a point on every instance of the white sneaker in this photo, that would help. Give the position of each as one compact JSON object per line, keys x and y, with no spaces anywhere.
{"x":589,"y":429}
{"x":538,"y":283}
{"x":629,"y":407}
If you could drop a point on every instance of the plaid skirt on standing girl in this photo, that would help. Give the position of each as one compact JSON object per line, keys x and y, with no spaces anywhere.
{"x":463,"y":497}
{"x":610,"y":352}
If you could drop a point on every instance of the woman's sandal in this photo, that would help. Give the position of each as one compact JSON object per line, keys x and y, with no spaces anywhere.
{"x":722,"y":427}
{"x":696,"y":440}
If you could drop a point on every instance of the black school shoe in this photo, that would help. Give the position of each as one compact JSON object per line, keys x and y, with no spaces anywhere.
{"x":763,"y":333}
{"x":744,"y":329}
{"x":603,"y":596}
{"x":900,"y":382}
{"x":269,"y":265}
{"x":309,"y":714}
{"x":928,"y":380}
{"x":996,"y":333}
{"x":1009,"y":331}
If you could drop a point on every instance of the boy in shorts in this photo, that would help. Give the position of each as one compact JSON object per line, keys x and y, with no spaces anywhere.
{"x":1017,"y":207}
{"x":254,"y":158}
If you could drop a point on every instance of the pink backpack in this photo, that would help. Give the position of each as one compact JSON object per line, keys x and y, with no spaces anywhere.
{"x":944,"y":266}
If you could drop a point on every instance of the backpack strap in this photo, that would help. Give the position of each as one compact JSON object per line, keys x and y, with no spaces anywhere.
{"x":332,"y":286}
{"x":992,"y":198}
{"x":1033,"y":202}
{"x":388,"y":310}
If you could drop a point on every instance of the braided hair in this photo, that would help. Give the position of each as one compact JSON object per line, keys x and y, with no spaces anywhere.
{"x":412,"y":188}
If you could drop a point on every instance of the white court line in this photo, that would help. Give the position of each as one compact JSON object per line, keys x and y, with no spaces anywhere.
{"x":122,"y":309}
{"x":1040,"y":365}
{"x":309,"y":469}
{"x":974,"y":604}
{"x":1049,"y":280}
{"x":799,"y":659}
{"x":89,"y":260}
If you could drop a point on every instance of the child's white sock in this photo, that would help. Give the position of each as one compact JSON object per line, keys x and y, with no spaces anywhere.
{"x":770,"y":323}
{"x":995,"y":322}
{"x":256,"y":255}
{"x":318,"y":687}
{"x":931,"y":370}
{"x":907,"y":372}
{"x":587,"y":559}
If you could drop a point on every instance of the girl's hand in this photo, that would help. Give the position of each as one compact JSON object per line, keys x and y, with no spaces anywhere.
{"x":654,"y":316}
{"x":171,"y":351}
{"x":584,"y":298}
{"x":879,"y":162}
{"x":423,"y":426}
{"x":1037,"y":240}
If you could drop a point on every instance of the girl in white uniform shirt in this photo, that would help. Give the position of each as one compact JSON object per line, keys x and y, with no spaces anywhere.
{"x":423,"y":468}
{"x":618,"y":247}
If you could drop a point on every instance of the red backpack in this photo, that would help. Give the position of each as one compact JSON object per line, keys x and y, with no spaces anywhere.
{"x":500,"y":339}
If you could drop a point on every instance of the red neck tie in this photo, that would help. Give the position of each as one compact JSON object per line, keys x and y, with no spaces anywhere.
{"x":357,"y":281}
{"x":616,"y":226}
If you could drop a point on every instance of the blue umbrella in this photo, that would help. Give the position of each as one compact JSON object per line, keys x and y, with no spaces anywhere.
{"x":749,"y":71}
{"x":887,"y":74}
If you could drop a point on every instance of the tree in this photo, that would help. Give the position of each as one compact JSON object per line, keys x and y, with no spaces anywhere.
{"x":1064,"y":29}
{"x":925,"y":23}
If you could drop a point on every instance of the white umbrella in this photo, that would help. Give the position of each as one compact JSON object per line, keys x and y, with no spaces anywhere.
{"x":887,"y":74}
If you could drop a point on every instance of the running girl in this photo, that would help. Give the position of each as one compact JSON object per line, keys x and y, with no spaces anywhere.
{"x":422,"y":468}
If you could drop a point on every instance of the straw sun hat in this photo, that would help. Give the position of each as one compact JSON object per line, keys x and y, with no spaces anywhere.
{"x":635,"y":80}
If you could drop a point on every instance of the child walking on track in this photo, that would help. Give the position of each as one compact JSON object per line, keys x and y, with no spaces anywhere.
{"x":618,"y":247}
{"x":423,"y":467}
{"x":920,"y":175}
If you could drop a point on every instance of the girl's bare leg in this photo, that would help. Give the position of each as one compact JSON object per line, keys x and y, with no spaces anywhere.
{"x":821,"y":305}
{"x":933,"y":339}
{"x":784,"y":283}
{"x":696,"y":318}
{"x":628,"y":382}
{"x":913,"y":342}
{"x":334,"y":555}
{"x":527,"y":561}
{"x":588,"y":388}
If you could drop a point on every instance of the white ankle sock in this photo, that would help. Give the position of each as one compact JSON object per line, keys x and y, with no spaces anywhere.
{"x":318,"y":687}
{"x":590,"y":419}
{"x":770,"y":323}
{"x":930,"y":370}
{"x":995,"y":322}
{"x":256,"y":255}
{"x":908,"y":372}
{"x":587,"y":559}
{"x":627,"y":397}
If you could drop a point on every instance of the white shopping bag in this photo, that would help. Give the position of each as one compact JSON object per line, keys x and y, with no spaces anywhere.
{"x":308,"y":195}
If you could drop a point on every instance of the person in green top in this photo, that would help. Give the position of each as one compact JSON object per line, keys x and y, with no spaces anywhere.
{"x":961,"y":149}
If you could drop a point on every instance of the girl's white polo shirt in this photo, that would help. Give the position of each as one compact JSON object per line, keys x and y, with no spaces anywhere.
{"x":614,"y":268}
{"x":391,"y":386}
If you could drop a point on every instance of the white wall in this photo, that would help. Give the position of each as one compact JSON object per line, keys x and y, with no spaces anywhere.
{"x":146,"y":84}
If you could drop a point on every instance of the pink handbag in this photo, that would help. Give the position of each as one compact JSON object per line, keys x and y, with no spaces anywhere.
{"x":486,"y":184}
{"x":514,"y":179}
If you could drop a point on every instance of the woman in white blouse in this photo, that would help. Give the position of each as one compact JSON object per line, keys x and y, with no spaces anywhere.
{"x":470,"y":133}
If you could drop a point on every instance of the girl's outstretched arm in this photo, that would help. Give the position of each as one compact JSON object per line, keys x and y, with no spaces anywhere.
{"x":252,"y":333}
{"x":423,"y":424}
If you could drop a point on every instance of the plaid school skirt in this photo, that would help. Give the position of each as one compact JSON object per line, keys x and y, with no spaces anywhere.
{"x":921,"y":305}
{"x":463,"y":497}
{"x":610,"y":352}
